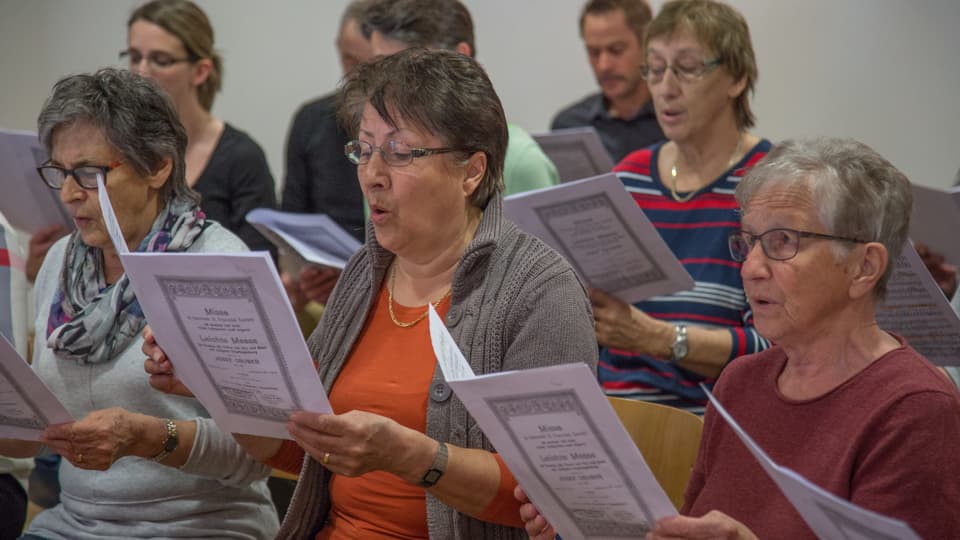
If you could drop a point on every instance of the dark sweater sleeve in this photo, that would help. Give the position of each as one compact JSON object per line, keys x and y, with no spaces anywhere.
{"x":296,"y":184}
{"x":254,"y":188}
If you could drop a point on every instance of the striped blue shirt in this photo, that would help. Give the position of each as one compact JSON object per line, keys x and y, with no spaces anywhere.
{"x":696,"y":231}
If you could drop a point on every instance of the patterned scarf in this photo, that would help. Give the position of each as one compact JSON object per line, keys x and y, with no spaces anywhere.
{"x":91,"y":322}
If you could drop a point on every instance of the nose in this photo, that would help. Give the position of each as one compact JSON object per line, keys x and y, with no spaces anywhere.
{"x":756,"y":265}
{"x":71,"y":190}
{"x":604,"y":61}
{"x":669,"y":84}
{"x":374,"y":174}
{"x":141,"y":67}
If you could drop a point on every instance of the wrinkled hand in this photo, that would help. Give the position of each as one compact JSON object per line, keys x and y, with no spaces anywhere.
{"x":316,"y":282}
{"x":622,"y":326}
{"x":534,"y":523}
{"x":97,"y":440}
{"x":159,"y":367}
{"x":40,"y":243}
{"x":714,"y":526}
{"x":357,"y":441}
{"x":944,"y":274}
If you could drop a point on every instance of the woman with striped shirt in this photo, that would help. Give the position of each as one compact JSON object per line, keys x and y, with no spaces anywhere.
{"x":700,"y":68}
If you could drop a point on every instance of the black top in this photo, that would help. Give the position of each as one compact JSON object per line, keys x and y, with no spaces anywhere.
{"x":235,"y":181}
{"x":320,"y":179}
{"x":619,"y":136}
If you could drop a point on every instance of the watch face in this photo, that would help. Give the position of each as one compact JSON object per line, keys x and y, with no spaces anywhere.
{"x":680,"y":343}
{"x":432,"y":476}
{"x":171,"y":444}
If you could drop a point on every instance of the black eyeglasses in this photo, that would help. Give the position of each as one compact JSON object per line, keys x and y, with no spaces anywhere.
{"x":156,"y":59}
{"x":777,"y":244}
{"x":684,"y":72}
{"x":395,"y":153}
{"x":85,"y":175}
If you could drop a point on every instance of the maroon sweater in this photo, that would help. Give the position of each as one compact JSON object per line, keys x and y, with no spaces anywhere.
{"x":887,"y":440}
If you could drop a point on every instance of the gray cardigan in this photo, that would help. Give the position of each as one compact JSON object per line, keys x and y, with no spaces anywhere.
{"x":516,"y":304}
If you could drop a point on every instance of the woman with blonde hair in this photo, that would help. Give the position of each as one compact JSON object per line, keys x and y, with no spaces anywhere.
{"x":171,"y":42}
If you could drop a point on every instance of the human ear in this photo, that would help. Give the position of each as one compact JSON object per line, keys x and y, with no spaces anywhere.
{"x":737,"y":88}
{"x":869,"y":269}
{"x":464,"y":48}
{"x":159,"y":177}
{"x":475,"y":170}
{"x":201,"y":71}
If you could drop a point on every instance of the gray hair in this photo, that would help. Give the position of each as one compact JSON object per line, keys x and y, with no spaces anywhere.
{"x":135,"y":116}
{"x":859,"y":193}
{"x":434,"y":24}
{"x":441,"y":92}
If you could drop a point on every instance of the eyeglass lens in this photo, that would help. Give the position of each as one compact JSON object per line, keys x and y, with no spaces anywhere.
{"x":86,"y":177}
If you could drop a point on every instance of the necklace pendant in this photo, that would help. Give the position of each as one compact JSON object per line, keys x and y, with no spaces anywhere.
{"x":393,"y":316}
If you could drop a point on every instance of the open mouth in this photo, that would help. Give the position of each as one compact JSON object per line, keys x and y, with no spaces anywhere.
{"x":377,"y":212}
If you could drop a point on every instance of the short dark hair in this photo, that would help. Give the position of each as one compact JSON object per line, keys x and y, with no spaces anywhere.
{"x":637,"y":13}
{"x":135,"y":116}
{"x":434,"y":24}
{"x":442,"y":92}
{"x":186,"y":21}
{"x":724,"y":31}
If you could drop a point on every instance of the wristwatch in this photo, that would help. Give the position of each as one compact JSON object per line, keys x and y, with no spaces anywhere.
{"x":680,"y":348}
{"x":433,"y":474}
{"x":170,"y":443}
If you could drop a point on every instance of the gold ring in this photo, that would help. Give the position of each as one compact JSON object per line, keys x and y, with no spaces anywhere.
{"x":326,"y":458}
{"x":79,"y":457}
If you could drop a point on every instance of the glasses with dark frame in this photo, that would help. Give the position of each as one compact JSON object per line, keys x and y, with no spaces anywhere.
{"x":394,"y":153}
{"x":85,"y":175}
{"x":685,"y":72}
{"x":156,"y":59}
{"x":777,"y":244}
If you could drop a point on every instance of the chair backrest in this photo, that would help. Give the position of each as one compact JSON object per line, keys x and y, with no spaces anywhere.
{"x":667,"y":437}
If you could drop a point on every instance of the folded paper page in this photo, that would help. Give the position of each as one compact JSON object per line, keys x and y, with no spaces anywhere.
{"x":607,"y":238}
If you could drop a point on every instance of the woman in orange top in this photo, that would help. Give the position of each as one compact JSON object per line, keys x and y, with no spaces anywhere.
{"x":407,"y":461}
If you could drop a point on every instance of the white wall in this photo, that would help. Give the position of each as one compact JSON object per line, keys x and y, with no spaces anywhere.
{"x":883,"y":71}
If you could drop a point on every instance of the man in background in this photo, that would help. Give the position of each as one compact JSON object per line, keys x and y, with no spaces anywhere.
{"x":319,"y":179}
{"x":395,"y":25}
{"x":622,"y":112}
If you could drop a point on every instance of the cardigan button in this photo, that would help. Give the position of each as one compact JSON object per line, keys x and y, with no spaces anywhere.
{"x":440,"y":392}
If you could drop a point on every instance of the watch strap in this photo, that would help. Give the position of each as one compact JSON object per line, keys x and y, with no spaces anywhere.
{"x":436,"y":470}
{"x":170,"y":442}
{"x":680,"y":344}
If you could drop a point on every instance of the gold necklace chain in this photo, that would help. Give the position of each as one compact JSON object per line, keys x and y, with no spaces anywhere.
{"x":673,"y":172}
{"x":393,"y":317}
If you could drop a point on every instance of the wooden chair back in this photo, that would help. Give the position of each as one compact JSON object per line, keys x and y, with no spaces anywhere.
{"x":667,"y":437}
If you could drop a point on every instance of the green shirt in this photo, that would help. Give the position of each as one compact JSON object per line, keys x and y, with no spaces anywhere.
{"x":526,"y":166}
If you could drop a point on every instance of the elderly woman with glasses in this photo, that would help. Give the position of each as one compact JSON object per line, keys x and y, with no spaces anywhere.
{"x":402,"y":458}
{"x":700,"y":69}
{"x":138,"y":463}
{"x":847,"y":405}
{"x":171,"y":42}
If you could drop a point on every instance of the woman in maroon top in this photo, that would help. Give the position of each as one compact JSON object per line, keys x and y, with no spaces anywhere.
{"x":839,"y":400}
